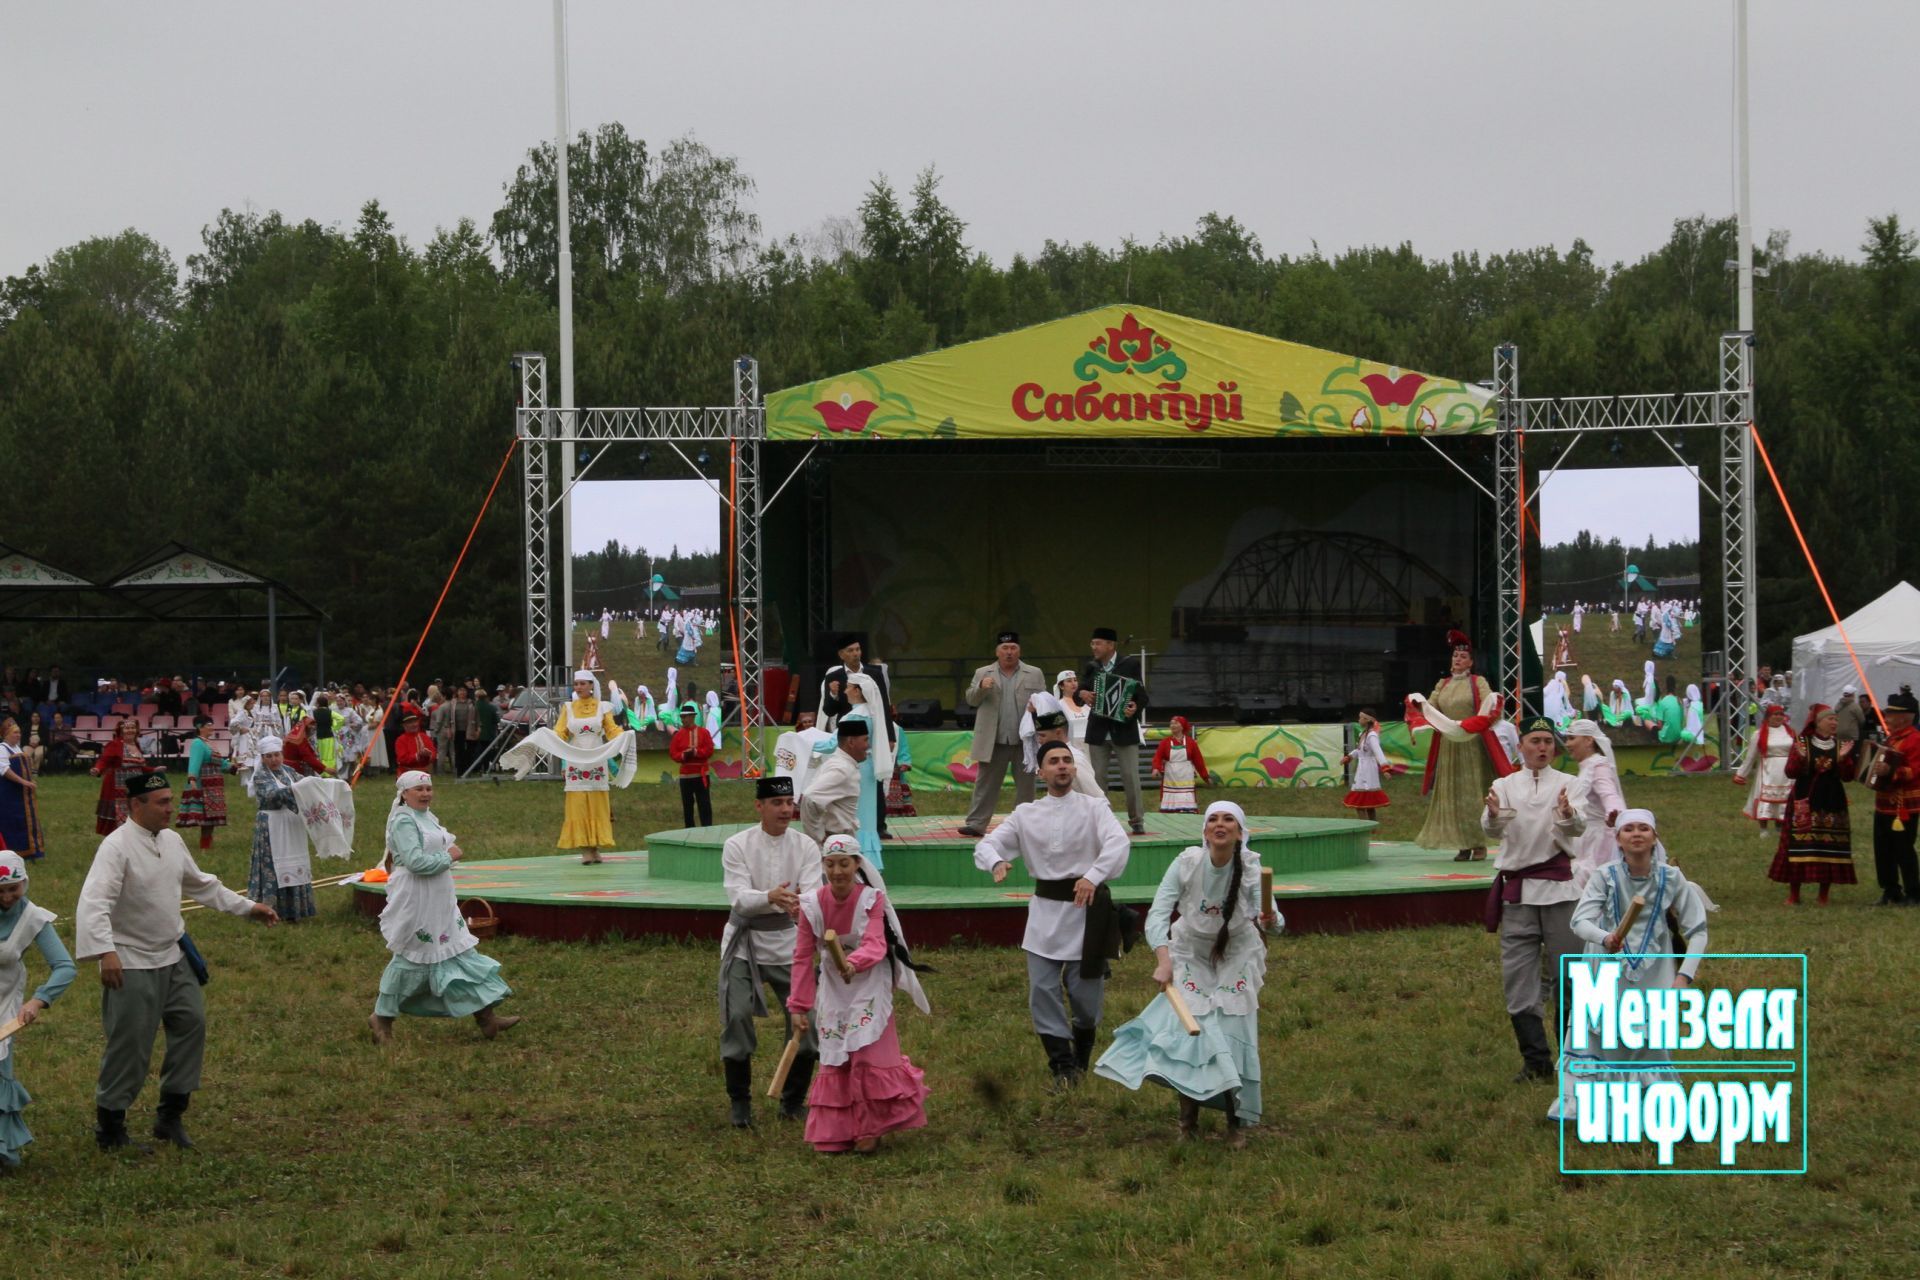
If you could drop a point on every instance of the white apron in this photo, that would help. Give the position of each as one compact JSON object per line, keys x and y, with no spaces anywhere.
{"x":849,"y":1016}
{"x":287,"y":838}
{"x":13,"y":971}
{"x":421,"y":921}
{"x":1234,"y":985}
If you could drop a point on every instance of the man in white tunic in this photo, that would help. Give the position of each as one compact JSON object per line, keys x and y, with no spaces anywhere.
{"x":128,"y":918}
{"x":766,"y":869}
{"x":830,"y":805}
{"x":1533,"y":816}
{"x":1072,"y":846}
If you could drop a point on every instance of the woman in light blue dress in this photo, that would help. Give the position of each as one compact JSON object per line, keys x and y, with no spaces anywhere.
{"x":1205,"y":926}
{"x":863,"y":695}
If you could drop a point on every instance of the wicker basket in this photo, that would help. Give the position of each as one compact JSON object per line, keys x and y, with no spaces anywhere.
{"x":486,"y":924}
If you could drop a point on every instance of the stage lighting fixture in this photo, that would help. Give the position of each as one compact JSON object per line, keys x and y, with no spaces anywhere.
{"x":1615,"y":448}
{"x":646,"y":456}
{"x":702,"y":459}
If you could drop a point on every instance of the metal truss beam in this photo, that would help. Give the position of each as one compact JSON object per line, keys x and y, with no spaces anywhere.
{"x":1508,"y":530}
{"x":1739,"y":607}
{"x":749,"y":426}
{"x":570,"y":426}
{"x":1558,"y":415}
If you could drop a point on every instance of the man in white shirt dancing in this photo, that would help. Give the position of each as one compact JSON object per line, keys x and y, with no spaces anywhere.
{"x":1531,"y":904}
{"x":1072,"y":846}
{"x":128,"y":918}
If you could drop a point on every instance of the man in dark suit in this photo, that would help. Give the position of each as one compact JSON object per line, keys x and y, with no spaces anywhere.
{"x":1110,"y":737}
{"x":833,"y":703}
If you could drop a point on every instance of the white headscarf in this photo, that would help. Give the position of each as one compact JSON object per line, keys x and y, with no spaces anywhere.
{"x":673,"y":692}
{"x":1062,"y":678}
{"x":401,"y":785}
{"x":1648,"y":691}
{"x":13,"y":868}
{"x":265,"y":746}
{"x":584,"y":674}
{"x":1592,"y":729}
{"x":904,"y":978}
{"x":1228,"y":806}
{"x":1040,"y":703}
{"x":269,"y":744}
{"x":880,"y":749}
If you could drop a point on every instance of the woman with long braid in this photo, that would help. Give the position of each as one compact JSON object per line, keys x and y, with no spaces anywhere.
{"x":1205,"y":928}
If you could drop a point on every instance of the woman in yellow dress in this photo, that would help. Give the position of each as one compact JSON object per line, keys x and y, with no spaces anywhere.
{"x":587,"y":722}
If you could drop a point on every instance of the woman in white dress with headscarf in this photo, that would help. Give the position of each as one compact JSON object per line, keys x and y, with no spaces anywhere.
{"x":1065,"y":686}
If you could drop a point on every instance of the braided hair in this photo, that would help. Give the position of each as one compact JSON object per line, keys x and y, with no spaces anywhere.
{"x":1232,"y":903}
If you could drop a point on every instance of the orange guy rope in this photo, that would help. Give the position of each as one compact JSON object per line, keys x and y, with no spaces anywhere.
{"x":1818,"y":580}
{"x":434,"y":616}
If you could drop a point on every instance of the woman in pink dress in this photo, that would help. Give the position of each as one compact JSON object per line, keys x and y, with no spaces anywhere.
{"x":865,"y":1087}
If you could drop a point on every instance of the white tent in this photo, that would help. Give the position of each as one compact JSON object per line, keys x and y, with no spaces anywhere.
{"x":1885,"y":637}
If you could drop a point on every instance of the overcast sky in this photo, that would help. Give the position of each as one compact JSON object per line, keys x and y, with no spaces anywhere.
{"x":1486,"y":126}
{"x":1628,"y":503}
{"x":1457,"y":126}
{"x":657,"y":515}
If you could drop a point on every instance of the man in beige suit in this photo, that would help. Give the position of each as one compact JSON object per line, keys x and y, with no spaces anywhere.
{"x":1000,"y":690}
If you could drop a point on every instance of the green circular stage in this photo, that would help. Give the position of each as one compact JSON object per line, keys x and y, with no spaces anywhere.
{"x":1329,"y":876}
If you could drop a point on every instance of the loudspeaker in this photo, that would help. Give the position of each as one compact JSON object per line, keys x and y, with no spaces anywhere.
{"x":918,"y":713}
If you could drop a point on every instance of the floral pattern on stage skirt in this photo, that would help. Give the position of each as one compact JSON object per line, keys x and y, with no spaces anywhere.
{"x":877,"y":1090}
{"x":1223,"y":1058}
{"x":456,"y":987}
{"x":1366,"y":800}
{"x":14,"y":1134}
{"x":900,"y":798}
{"x":203,"y":802}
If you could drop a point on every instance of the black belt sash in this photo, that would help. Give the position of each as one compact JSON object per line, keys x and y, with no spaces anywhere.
{"x":1111,"y":930}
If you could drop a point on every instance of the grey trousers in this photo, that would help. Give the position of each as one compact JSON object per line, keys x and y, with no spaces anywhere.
{"x":1102,"y":755}
{"x":147,"y":1000}
{"x":1055,"y":988}
{"x":986,"y":787}
{"x":738,"y":1036}
{"x":1533,"y":939}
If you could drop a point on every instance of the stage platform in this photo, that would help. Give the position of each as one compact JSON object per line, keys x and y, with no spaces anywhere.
{"x":1330,"y":876}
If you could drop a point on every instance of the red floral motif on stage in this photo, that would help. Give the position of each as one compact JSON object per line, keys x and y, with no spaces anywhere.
{"x":967,"y":773}
{"x":1400,"y":390}
{"x":729,"y":768}
{"x":1131,"y":343}
{"x":845,"y":414}
{"x":1281,"y":770}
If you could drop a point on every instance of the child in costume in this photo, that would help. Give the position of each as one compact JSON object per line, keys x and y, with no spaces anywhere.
{"x":1177,"y":763}
{"x":1205,"y":928}
{"x":866,"y":1087}
{"x":23,"y":924}
{"x":1766,"y":765}
{"x":1673,"y":920}
{"x":1369,"y":759}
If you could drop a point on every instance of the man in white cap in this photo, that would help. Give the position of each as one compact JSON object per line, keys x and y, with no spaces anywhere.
{"x":128,"y":918}
{"x":1851,"y":714}
{"x":1531,"y":813}
{"x":1072,"y":846}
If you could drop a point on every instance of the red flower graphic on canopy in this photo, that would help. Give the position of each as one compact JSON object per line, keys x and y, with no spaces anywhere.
{"x":729,"y":768}
{"x":846,"y":413}
{"x":1386,"y":390}
{"x":1131,"y":343}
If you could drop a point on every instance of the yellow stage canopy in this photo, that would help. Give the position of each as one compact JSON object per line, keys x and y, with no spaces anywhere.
{"x":1124,"y":371}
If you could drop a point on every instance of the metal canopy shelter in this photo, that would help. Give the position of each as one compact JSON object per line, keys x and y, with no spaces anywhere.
{"x":176,"y":583}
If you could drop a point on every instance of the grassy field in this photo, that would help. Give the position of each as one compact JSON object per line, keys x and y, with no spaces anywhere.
{"x":592,"y":1140}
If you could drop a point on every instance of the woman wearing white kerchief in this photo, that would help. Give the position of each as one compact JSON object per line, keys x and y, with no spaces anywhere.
{"x":713,"y":717}
{"x":1649,"y":691}
{"x":585,"y":722}
{"x":1696,"y":726}
{"x":1619,"y":708}
{"x":862,"y":693}
{"x":1065,"y":685}
{"x":1214,"y":951}
{"x":1598,"y":790}
{"x":1673,"y":922}
{"x":1557,"y":706}
{"x":281,"y":872}
{"x":22,"y":925}
{"x":437,"y":970}
{"x":866,"y":1087}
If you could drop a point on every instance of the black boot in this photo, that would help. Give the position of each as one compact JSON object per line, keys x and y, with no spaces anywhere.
{"x":793,"y":1098}
{"x":1536,"y":1056}
{"x":166,"y":1120}
{"x":110,"y":1132}
{"x":1060,"y":1062}
{"x":1083,"y":1048}
{"x":740,"y":1090}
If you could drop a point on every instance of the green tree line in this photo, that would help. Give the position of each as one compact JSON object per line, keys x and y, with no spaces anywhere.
{"x":329,"y":404}
{"x":1586,"y":568}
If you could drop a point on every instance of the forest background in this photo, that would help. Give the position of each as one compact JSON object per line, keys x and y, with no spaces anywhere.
{"x":328,"y":404}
